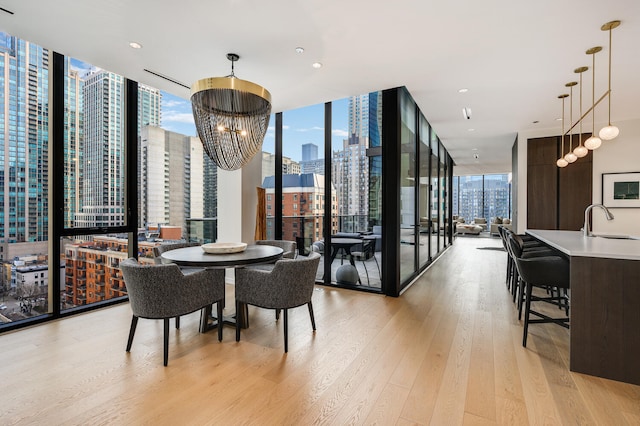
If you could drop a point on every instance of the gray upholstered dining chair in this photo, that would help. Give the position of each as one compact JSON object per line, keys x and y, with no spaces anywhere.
{"x":288,"y":285}
{"x":163,"y":292}
{"x":162,"y":248}
{"x":288,"y":247}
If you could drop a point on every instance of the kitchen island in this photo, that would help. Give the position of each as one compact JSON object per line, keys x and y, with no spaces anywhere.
{"x":605,"y":302}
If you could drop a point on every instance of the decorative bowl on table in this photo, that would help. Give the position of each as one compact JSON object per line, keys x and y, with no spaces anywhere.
{"x":224,"y":248}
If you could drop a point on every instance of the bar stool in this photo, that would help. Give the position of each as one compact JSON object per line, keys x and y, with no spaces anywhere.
{"x":543,"y":272}
{"x":518,"y":249}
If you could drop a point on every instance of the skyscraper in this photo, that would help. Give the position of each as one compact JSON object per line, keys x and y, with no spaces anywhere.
{"x":103,"y":165}
{"x":178,"y":179}
{"x":73,"y":143}
{"x":24,"y":125}
{"x":309,"y":152}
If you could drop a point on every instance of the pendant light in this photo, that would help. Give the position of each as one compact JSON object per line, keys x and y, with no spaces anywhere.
{"x":231,"y":117}
{"x":610,"y":131}
{"x":561,"y":161}
{"x":570,"y":157}
{"x":594,"y":141}
{"x":580,"y":150}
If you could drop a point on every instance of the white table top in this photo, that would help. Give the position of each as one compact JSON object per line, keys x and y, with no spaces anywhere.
{"x":573,"y":243}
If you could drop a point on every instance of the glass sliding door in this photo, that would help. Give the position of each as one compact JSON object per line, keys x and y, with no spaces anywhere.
{"x":434,"y":201}
{"x":442,"y":198}
{"x":356,"y":178}
{"x":423,"y":194}
{"x":409,"y":176}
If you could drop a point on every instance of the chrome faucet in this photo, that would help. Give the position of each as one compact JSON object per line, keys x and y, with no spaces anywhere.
{"x":587,"y":228}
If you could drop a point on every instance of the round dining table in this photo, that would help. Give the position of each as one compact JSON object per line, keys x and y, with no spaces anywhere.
{"x":196,"y":257}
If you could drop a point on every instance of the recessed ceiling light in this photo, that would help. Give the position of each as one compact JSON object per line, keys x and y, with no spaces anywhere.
{"x":135,"y":45}
{"x":299,"y":49}
{"x":559,"y":119}
{"x":463,"y":90}
{"x":474,"y":149}
{"x":471,"y":130}
{"x":316,"y":65}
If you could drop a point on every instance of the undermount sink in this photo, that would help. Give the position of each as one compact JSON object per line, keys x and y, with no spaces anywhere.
{"x":617,"y":237}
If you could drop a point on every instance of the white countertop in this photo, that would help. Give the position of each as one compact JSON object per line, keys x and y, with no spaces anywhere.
{"x":573,"y":243}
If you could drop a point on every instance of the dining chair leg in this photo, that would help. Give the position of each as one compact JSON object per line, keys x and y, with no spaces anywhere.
{"x":277,"y":314}
{"x":286,"y":331}
{"x":132,"y":331}
{"x":313,"y":319}
{"x":367,"y":272}
{"x":238,"y":320}
{"x":166,"y":341}
{"x":521,"y":296}
{"x":220,"y":319}
{"x":526,"y":314}
{"x":377,"y":264}
{"x":177,"y":323}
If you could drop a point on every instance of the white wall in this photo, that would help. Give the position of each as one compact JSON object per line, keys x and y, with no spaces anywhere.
{"x":237,"y":204}
{"x":619,"y":155}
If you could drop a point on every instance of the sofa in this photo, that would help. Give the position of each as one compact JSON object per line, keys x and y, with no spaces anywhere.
{"x":481,"y":222}
{"x":500,"y":222}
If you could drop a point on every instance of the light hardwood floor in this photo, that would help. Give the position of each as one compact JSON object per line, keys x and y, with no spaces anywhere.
{"x":447,"y":352}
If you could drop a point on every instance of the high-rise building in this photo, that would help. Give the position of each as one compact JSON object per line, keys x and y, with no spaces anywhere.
{"x":303,"y":206}
{"x":309,"y":152}
{"x":289,"y":166}
{"x":73,"y":143}
{"x":350,"y":175}
{"x":24,"y":127}
{"x":173,"y":178}
{"x":359,"y":116}
{"x":310,"y":162}
{"x":103,"y":165}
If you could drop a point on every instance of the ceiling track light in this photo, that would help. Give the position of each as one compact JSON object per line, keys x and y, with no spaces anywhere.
{"x":466,"y":113}
{"x":608,"y":132}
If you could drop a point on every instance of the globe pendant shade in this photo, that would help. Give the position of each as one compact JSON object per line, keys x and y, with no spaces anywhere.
{"x":609,"y":132}
{"x":561,"y":162}
{"x":570,"y":157}
{"x":580,"y":151}
{"x":593,"y":142}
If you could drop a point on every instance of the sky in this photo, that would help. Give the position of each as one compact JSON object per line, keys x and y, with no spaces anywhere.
{"x":299,"y":126}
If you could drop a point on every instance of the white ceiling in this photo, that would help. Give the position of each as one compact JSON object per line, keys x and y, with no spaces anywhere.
{"x":514,"y":56}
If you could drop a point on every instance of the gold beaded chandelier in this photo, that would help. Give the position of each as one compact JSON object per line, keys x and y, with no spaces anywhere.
{"x":231,"y":117}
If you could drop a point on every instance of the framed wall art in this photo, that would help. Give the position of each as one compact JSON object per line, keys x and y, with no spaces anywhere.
{"x":621,"y":190}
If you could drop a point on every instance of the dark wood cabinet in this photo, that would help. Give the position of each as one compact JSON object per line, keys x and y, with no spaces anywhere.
{"x":556,"y":197}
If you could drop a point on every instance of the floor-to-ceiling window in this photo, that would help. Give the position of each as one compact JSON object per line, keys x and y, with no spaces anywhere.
{"x":482,"y":196}
{"x":408,"y":173}
{"x":24,"y":184}
{"x":87,"y":162}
